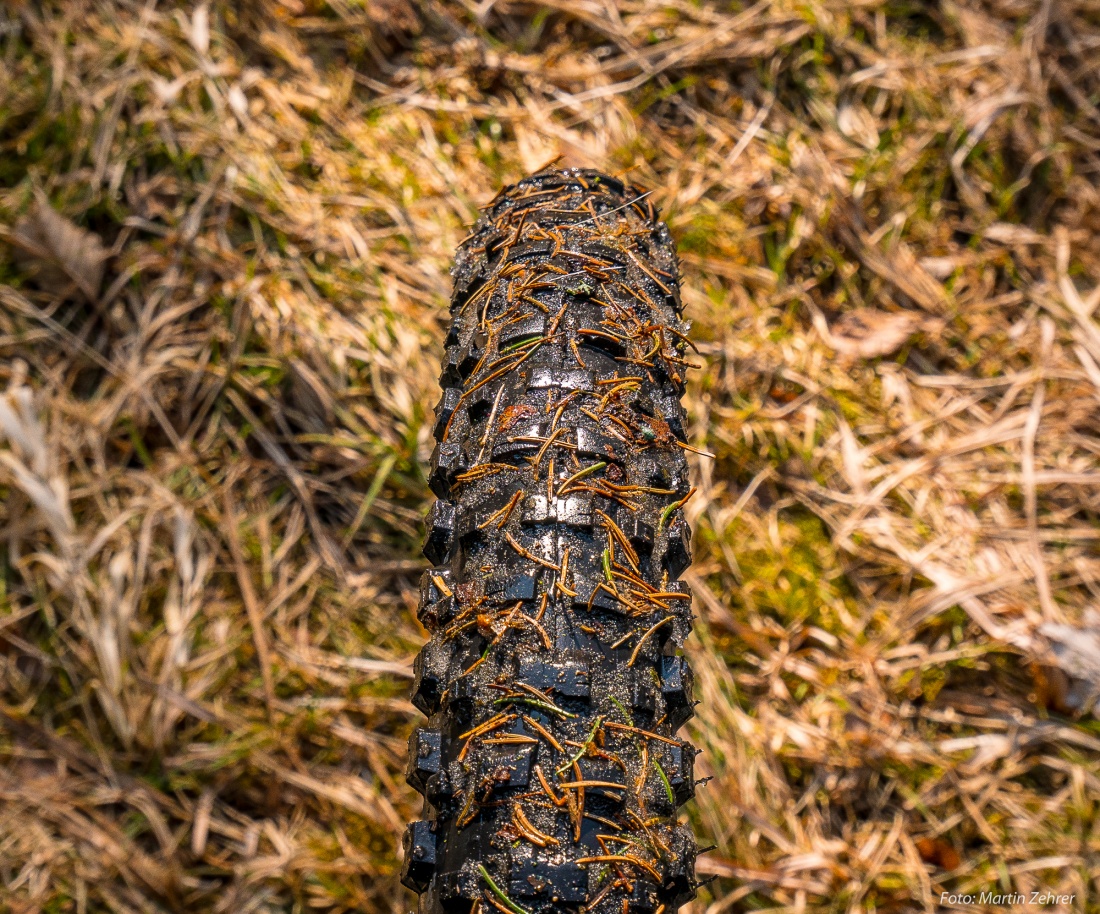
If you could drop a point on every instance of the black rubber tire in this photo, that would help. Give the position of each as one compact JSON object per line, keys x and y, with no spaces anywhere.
{"x":554,"y":677}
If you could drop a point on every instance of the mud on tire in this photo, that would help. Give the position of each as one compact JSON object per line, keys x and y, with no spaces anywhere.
{"x":554,"y":679}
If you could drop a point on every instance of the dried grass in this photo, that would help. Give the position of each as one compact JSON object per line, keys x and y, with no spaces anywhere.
{"x":218,"y":345}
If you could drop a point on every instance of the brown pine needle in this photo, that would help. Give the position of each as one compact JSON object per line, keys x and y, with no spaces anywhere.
{"x":645,"y":637}
{"x":623,"y":858}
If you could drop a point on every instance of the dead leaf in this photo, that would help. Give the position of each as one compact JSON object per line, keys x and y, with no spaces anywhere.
{"x":200,"y":29}
{"x":59,"y":254}
{"x":1077,"y":650}
{"x":1012,"y":235}
{"x":938,"y":852}
{"x":858,"y":124}
{"x":940,"y":267}
{"x":238,"y":102}
{"x":514,"y":414}
{"x":1052,"y":689}
{"x":853,"y":458}
{"x":868,"y":332}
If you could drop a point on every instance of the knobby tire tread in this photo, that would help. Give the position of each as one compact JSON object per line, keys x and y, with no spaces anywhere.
{"x":554,"y":679}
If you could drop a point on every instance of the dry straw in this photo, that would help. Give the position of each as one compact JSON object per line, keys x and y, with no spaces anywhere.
{"x":225,"y":232}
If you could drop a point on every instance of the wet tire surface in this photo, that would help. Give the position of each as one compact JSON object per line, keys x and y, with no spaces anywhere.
{"x":554,"y":678}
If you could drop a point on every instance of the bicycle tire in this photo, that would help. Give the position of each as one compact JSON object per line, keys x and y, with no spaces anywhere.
{"x":554,"y":678}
